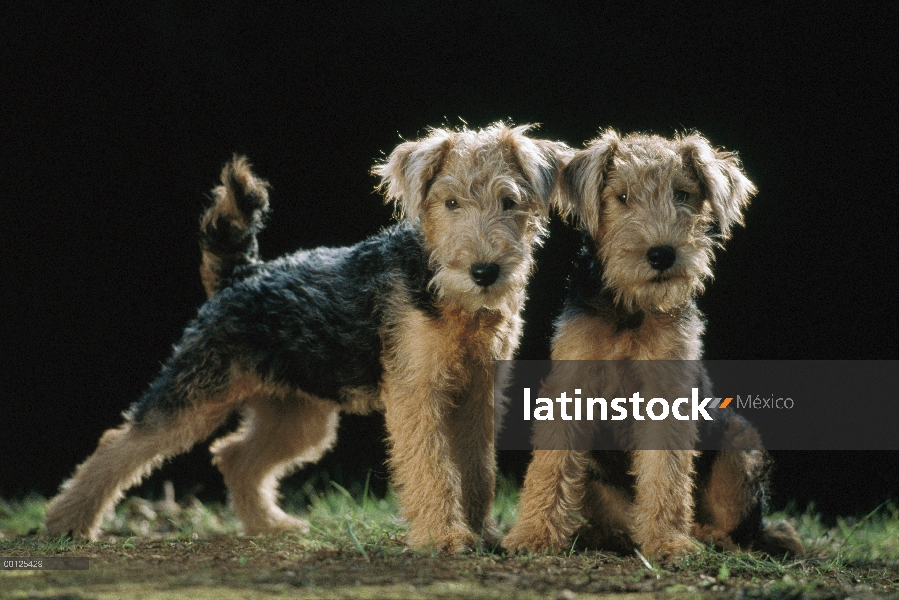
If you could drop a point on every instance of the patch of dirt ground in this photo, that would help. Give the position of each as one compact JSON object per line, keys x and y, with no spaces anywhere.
{"x":228,"y":567}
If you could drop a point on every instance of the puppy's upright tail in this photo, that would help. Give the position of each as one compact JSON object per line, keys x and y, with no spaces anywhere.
{"x":229,"y":226}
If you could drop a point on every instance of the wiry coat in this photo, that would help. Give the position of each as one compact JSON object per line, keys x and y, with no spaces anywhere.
{"x":315,"y":320}
{"x":408,"y":321}
{"x":647,"y":206}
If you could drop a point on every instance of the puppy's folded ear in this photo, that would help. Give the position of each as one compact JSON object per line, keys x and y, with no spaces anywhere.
{"x":410,"y":169}
{"x":582,"y":181}
{"x":541,"y":161}
{"x":727,"y":189}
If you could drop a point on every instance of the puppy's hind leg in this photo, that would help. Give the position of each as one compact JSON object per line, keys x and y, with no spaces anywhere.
{"x":124,"y":456}
{"x":192,"y":395}
{"x":731,"y":507}
{"x":732,"y":497}
{"x":278,"y":434}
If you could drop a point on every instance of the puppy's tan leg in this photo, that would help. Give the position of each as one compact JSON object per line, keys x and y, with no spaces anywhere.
{"x":428,"y":481}
{"x":662,"y":464}
{"x":471,"y":437}
{"x":277,"y":435}
{"x":663,"y":505}
{"x":123,"y":458}
{"x":550,"y":499}
{"x":426,"y":385}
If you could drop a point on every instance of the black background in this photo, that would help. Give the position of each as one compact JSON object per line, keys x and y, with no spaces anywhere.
{"x":115,"y":123}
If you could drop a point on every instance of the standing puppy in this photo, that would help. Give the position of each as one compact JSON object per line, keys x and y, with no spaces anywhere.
{"x":408,"y":321}
{"x":647,"y":206}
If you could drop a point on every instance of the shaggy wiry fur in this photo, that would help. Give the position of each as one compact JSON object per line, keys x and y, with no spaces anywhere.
{"x":648,"y":207}
{"x":408,"y":321}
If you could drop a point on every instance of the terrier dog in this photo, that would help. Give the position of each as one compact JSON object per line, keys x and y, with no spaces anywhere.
{"x":408,"y":321}
{"x":647,"y":206}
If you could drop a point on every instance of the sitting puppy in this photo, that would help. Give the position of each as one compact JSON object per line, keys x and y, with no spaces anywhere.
{"x":647,"y":206}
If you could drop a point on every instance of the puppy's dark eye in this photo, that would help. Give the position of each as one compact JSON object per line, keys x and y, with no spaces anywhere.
{"x":622,"y":198}
{"x":681,"y":197}
{"x":452,"y":204}
{"x":508,"y":203}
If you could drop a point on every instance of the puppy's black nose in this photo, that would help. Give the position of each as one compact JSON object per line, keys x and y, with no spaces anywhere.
{"x":661,"y":257}
{"x":484,"y":273}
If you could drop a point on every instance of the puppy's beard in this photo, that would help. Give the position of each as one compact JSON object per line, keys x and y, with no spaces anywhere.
{"x":455,"y":286}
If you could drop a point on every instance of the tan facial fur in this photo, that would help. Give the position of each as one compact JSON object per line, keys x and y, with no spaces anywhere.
{"x":639,"y":192}
{"x":481,"y":197}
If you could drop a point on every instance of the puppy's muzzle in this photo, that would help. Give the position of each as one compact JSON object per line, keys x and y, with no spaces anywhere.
{"x":484,"y":274}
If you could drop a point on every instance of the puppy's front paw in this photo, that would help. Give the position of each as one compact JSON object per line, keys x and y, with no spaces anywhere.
{"x":670,"y":547}
{"x":527,"y":538}
{"x":450,"y":541}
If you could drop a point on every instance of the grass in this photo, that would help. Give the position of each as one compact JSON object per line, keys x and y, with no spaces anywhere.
{"x":875,"y":536}
{"x":20,"y":517}
{"x":356,"y":545}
